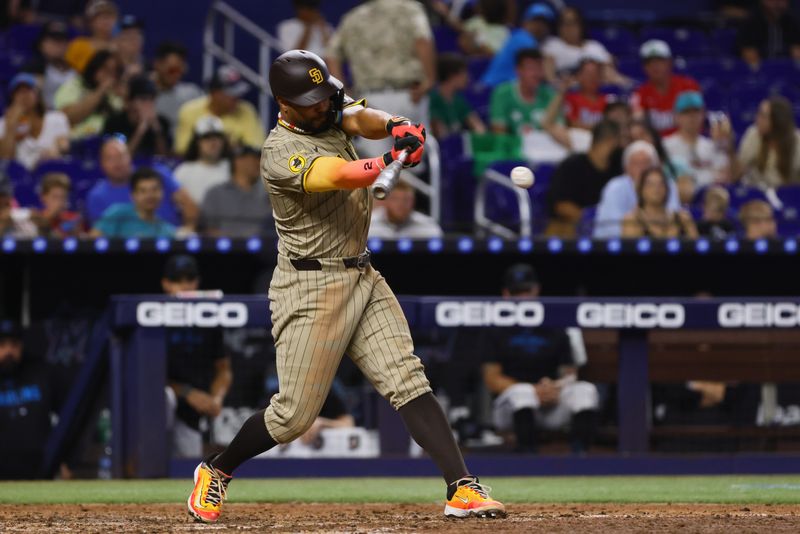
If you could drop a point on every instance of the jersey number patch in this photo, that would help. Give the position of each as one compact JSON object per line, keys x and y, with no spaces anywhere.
{"x":296,"y":163}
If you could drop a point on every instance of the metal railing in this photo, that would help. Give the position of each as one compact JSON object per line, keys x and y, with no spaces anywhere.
{"x":224,"y":52}
{"x":483,"y":223}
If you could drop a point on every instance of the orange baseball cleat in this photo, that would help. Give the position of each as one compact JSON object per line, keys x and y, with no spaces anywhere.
{"x":210,"y":487}
{"x":472,"y":499}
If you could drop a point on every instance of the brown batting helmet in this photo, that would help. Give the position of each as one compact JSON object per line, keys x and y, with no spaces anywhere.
{"x":302,"y":78}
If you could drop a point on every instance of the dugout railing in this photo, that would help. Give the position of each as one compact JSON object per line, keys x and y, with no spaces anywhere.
{"x":138,"y":377}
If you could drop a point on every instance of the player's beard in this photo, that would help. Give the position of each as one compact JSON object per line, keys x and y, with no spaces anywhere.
{"x":319,"y":127}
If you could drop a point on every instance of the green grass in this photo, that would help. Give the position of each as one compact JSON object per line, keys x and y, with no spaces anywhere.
{"x":708,"y":489}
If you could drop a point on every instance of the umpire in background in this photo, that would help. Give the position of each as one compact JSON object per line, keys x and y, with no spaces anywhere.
{"x":198,"y":368}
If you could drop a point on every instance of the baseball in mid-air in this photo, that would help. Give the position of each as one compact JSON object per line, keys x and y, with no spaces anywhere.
{"x":522,"y":176}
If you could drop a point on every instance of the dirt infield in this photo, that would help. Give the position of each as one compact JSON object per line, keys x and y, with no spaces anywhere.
{"x":301,"y":517}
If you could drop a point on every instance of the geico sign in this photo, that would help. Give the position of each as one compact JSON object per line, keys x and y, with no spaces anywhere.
{"x":499,"y":313}
{"x":200,"y":314}
{"x":739,"y":314}
{"x":645,"y":315}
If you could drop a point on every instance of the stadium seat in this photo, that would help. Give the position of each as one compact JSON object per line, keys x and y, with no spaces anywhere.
{"x":618,"y":41}
{"x":446,"y":39}
{"x":22,"y":37}
{"x":740,"y":194}
{"x":586,"y":223}
{"x":723,"y":41}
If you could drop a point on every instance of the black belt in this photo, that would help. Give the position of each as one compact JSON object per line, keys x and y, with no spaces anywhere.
{"x":355,"y":262}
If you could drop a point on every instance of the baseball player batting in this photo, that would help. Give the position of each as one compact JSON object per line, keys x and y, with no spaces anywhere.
{"x":326,"y":299}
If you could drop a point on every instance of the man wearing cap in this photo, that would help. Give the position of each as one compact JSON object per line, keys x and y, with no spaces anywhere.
{"x":198,"y":368}
{"x":115,"y":162}
{"x":29,"y":395}
{"x":535,"y":30}
{"x":101,"y":16}
{"x":239,"y":118}
{"x":49,"y":63}
{"x":656,"y":97}
{"x":207,"y":161}
{"x":532,"y":372}
{"x":146,"y":131}
{"x":239,"y":207}
{"x":389,"y":47}
{"x":708,"y":159}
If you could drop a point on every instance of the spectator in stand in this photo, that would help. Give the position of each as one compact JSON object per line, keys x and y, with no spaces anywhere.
{"x":676,"y":170}
{"x":139,"y":218}
{"x":28,"y":133}
{"x":533,"y":375}
{"x":308,"y":30}
{"x":115,"y":161}
{"x":208,"y":159}
{"x":584,"y":104}
{"x":239,"y":207}
{"x":169,"y":68}
{"x":656,"y":97}
{"x":14,"y":222}
{"x":758,"y":220}
{"x":619,"y":196}
{"x":651,"y":217}
{"x":89,"y":99}
{"x":706,"y":158}
{"x":31,"y":395}
{"x":54,"y":219}
{"x":239,"y":118}
{"x":771,"y":31}
{"x":563,"y":53}
{"x":578,"y":180}
{"x":147,"y":132}
{"x":389,"y":47}
{"x":534,"y":33}
{"x":450,"y":112}
{"x":769,"y":153}
{"x":520,"y":106}
{"x":129,"y":44}
{"x":621,"y":113}
{"x":198,"y":368}
{"x":102,"y":21}
{"x":715,"y":222}
{"x":48,"y":62}
{"x":396,"y":218}
{"x":483,"y":34}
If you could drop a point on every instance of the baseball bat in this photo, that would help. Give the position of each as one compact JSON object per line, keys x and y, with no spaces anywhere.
{"x":388,"y":177}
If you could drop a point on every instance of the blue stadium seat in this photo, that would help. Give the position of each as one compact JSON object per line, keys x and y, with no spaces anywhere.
{"x":586,"y":223}
{"x":741,"y":194}
{"x":23,"y":182}
{"x":723,"y":41}
{"x":21,"y":38}
{"x":683,"y":41}
{"x":446,"y":39}
{"x":476,"y":68}
{"x":478,"y":97}
{"x":789,"y":195}
{"x":721,"y":70}
{"x":631,"y":67}
{"x":619,"y":41}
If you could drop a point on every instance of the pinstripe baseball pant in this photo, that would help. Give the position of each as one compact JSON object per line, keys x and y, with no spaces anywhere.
{"x":317,"y":317}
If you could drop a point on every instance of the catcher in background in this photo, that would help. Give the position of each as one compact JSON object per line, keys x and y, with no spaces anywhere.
{"x":325,"y":298}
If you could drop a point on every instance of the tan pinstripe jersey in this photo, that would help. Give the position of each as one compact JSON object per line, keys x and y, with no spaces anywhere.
{"x":313,"y":225}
